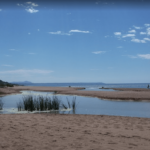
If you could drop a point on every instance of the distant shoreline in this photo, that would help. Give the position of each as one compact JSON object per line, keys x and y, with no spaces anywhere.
{"x":136,"y":94}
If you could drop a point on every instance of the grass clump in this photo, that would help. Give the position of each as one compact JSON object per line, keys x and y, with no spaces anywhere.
{"x":38,"y":103}
{"x":1,"y":104}
{"x":71,"y":105}
{"x":20,"y":106}
{"x":74,"y":104}
{"x":44,"y":103}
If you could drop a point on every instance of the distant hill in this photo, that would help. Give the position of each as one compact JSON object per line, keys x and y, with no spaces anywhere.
{"x":28,"y":83}
{"x":22,"y":83}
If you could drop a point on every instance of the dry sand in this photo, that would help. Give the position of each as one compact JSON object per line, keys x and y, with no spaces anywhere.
{"x":120,"y":93}
{"x":71,"y":132}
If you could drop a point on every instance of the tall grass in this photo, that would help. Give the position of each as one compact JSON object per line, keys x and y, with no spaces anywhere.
{"x":1,"y":104}
{"x":38,"y":103}
{"x":74,"y":104}
{"x":70,"y":105}
{"x":20,"y":106}
{"x":44,"y":103}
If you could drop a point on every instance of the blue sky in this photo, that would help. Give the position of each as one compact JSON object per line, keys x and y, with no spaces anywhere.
{"x":100,"y":42}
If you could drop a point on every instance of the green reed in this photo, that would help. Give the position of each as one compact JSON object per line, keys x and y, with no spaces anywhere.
{"x":1,"y":104}
{"x":44,"y":103}
{"x":38,"y":103}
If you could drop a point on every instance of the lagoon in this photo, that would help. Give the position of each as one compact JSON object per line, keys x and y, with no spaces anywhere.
{"x":86,"y":105}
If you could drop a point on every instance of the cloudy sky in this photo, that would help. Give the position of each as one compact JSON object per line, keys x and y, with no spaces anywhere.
{"x":98,"y":41}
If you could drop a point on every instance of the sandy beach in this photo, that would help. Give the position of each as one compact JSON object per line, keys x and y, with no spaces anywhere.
{"x":71,"y":132}
{"x":88,"y":132}
{"x":119,"y":94}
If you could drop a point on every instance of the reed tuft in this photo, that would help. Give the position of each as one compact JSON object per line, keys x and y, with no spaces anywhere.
{"x":1,"y":104}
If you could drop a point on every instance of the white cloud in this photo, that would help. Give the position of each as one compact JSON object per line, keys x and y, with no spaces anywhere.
{"x":59,"y":33}
{"x":147,"y":25}
{"x":106,"y":36}
{"x":147,"y":39}
{"x":145,"y":56}
{"x":29,"y":2}
{"x":29,"y":7}
{"x":32,"y":4}
{"x":119,"y":47}
{"x":22,"y":71}
{"x":142,"y":32}
{"x":7,"y":65}
{"x":143,"y":41}
{"x":138,"y":41}
{"x":128,"y":35}
{"x":148,"y":31}
{"x":132,"y":56}
{"x":31,"y":10}
{"x":79,"y":31}
{"x":132,"y":31}
{"x":117,"y":33}
{"x":98,"y":52}
{"x":69,"y":33}
{"x":137,"y":27}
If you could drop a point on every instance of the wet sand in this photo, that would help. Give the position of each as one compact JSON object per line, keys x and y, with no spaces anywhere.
{"x":71,"y":132}
{"x":17,"y":89}
{"x":119,"y":94}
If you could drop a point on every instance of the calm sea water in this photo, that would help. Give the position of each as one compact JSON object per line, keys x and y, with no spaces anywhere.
{"x":92,"y":85}
{"x":88,"y":105}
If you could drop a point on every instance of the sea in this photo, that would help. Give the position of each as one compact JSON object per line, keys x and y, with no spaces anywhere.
{"x":91,"y":85}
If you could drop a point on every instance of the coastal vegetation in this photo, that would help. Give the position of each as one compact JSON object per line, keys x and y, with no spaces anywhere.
{"x":5,"y":84}
{"x":44,"y":103}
